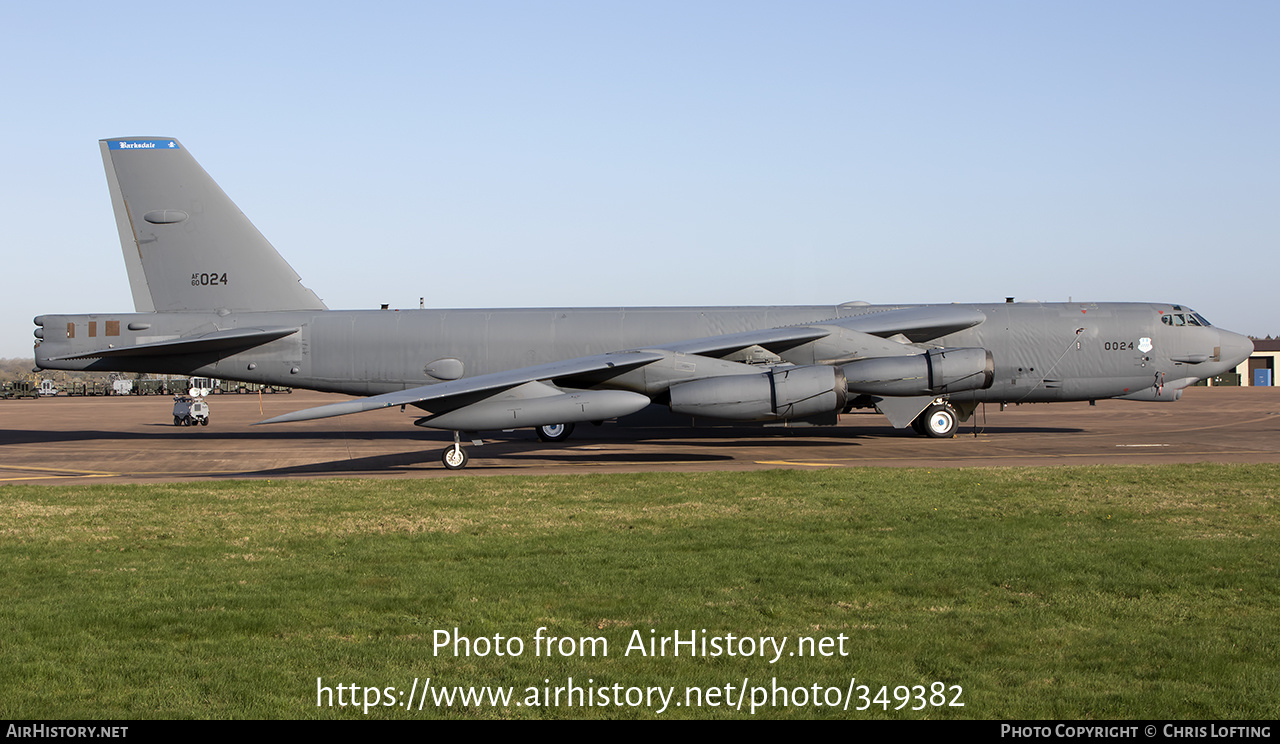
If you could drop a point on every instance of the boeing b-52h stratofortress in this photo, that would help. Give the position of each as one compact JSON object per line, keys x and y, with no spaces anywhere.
{"x":214,"y":298}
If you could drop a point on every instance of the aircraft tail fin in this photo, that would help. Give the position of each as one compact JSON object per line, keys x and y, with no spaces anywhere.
{"x":187,"y":247}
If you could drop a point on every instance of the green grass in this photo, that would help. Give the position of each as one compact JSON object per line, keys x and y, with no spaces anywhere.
{"x":1092,"y":592}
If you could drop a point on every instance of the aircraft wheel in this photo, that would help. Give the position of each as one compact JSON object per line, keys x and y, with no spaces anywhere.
{"x":555,"y":432}
{"x":454,"y":458}
{"x":940,"y":421}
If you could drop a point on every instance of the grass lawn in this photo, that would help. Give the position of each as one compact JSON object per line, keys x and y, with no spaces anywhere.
{"x":1081,"y":592}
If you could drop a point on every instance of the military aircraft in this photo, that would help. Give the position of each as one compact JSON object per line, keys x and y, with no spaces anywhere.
{"x":214,"y":298}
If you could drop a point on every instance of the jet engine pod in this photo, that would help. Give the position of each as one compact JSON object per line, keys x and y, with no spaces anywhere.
{"x":568,"y":407}
{"x":780,"y":393}
{"x":936,"y":372}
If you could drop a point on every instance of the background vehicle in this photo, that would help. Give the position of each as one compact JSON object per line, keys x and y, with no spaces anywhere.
{"x":19,"y":389}
{"x":189,"y":411}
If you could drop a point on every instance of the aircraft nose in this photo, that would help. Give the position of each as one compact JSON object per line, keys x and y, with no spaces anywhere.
{"x":1235,"y":348}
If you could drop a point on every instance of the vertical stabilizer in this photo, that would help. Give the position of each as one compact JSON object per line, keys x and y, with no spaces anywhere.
{"x":186,"y":245}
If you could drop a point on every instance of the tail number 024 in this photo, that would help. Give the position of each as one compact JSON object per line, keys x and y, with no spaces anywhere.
{"x":207,"y":280}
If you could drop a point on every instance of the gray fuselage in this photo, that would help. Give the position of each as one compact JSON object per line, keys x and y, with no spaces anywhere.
{"x":1041,"y":351}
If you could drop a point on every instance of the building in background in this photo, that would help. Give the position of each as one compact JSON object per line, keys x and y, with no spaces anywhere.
{"x":1259,"y":370}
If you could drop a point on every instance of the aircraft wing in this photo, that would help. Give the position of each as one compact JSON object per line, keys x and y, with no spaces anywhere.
{"x":470,"y":389}
{"x":479,"y":385}
{"x":611,"y":363}
{"x":774,"y":339}
{"x":915,"y":323}
{"x":918,"y":323}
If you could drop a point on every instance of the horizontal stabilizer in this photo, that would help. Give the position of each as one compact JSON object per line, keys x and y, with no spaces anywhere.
{"x":472,"y":387}
{"x":232,"y":340}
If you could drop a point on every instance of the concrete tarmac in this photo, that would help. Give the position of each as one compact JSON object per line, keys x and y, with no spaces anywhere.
{"x":133,"y":439}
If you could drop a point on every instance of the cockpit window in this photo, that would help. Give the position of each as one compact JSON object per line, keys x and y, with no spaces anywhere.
{"x":1184,"y":318}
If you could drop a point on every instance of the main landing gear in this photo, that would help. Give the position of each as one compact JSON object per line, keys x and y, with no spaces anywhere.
{"x":939,"y":421}
{"x":554,"y":432}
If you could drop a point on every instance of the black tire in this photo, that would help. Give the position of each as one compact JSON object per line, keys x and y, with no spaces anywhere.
{"x":454,"y":458}
{"x":204,"y":421}
{"x":554,"y":432}
{"x":177,"y":421}
{"x":940,"y":421}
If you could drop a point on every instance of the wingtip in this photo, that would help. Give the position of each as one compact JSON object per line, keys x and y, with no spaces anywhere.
{"x":311,"y":414}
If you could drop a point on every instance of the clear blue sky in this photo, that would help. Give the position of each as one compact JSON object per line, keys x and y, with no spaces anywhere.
{"x":506,"y":154}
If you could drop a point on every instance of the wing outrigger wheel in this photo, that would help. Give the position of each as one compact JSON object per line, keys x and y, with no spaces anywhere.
{"x":455,"y":457}
{"x":554,"y":432}
{"x":939,"y":421}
